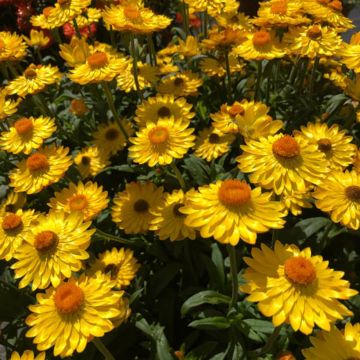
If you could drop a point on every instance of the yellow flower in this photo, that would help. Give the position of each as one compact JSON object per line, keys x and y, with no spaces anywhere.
{"x":189,"y":47}
{"x":12,"y":202}
{"x":181,"y":84}
{"x":217,"y":67}
{"x":83,"y":307}
{"x":42,"y":20}
{"x":90,"y":161}
{"x":356,"y":162}
{"x":353,"y":88}
{"x":27,"y":355}
{"x":155,"y":108}
{"x":37,"y":38}
{"x":223,"y":39}
{"x":214,"y":7}
{"x":339,"y":195}
{"x":335,"y":344}
{"x":283,"y":163}
{"x":91,"y":15}
{"x":291,"y":286}
{"x":14,"y":226}
{"x":27,"y":134}
{"x":34,"y":80}
{"x":161,"y":142}
{"x":235,"y":21}
{"x":89,"y":199}
{"x":41,"y":169}
{"x":338,"y":78}
{"x":119,"y":264}
{"x":295,"y":201}
{"x":332,"y":141}
{"x":211,"y":143}
{"x":231,"y":211}
{"x":125,"y":311}
{"x":12,"y":47}
{"x":350,"y":53}
{"x":7,"y":106}
{"x":169,"y":222}
{"x":132,"y":209}
{"x":53,"y":249}
{"x":76,"y":52}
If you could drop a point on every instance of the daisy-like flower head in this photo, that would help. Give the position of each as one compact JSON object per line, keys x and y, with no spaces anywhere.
{"x":88,"y":17}
{"x":217,"y":67}
{"x":12,"y":202}
{"x":339,"y":195}
{"x":27,"y":134}
{"x":235,"y":20}
{"x":83,"y":307}
{"x":41,"y":169}
{"x":161,"y":142}
{"x":333,"y":142}
{"x":350,"y":53}
{"x":223,"y":40}
{"x":90,"y":161}
{"x":335,"y":344}
{"x":42,"y":20}
{"x":182,"y":84}
{"x":163,"y":106}
{"x":295,"y":201}
{"x":189,"y":47}
{"x":231,"y":211}
{"x":214,"y":7}
{"x":13,"y":228}
{"x":76,"y":52}
{"x":292,"y":286}
{"x":119,"y":264}
{"x":12,"y":47}
{"x":7,"y":106}
{"x":133,"y":208}
{"x":283,"y":163}
{"x":53,"y":249}
{"x":27,"y":355}
{"x":211,"y":143}
{"x":89,"y":199}
{"x":169,"y":222}
{"x":38,"y":38}
{"x":35,"y":79}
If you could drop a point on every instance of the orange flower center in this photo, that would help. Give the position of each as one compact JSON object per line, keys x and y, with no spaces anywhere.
{"x":336,"y":5}
{"x":97,"y":60}
{"x":37,"y":162}
{"x":299,"y":270}
{"x":30,"y":73}
{"x":314,"y":32}
{"x":286,"y":147}
{"x":11,"y":222}
{"x":286,"y":356}
{"x":234,"y":192}
{"x":261,"y":38}
{"x":158,"y":135}
{"x":2,"y":44}
{"x":85,"y":160}
{"x":178,"y":82}
{"x":45,"y":241}
{"x":68,"y":298}
{"x":236,"y":109}
{"x":176,"y":211}
{"x":132,"y":12}
{"x":23,"y":126}
{"x":324,"y":145}
{"x":279,"y":7}
{"x":353,"y":193}
{"x":141,"y":206}
{"x":78,"y":107}
{"x":46,"y":11}
{"x":324,"y":2}
{"x":214,"y":139}
{"x":78,"y":202}
{"x":112,"y":134}
{"x":164,"y":111}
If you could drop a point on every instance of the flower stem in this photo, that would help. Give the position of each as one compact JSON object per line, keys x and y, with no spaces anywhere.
{"x":267,"y":347}
{"x":135,"y":68}
{"x":186,"y":18}
{"x":178,"y":175}
{"x":76,"y":27}
{"x":151,"y":48}
{"x":103,"y":349}
{"x":313,"y":74}
{"x":228,"y":74}
{"x":258,"y":80}
{"x":234,"y":276}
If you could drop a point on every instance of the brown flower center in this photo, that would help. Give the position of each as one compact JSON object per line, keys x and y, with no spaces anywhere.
{"x":234,"y":192}
{"x":286,"y":147}
{"x":37,"y":162}
{"x":214,"y":139}
{"x":111,"y":269}
{"x":46,"y":11}
{"x":178,"y":82}
{"x":279,"y":7}
{"x":164,"y":111}
{"x":236,"y":109}
{"x":78,"y":107}
{"x":97,"y":60}
{"x":141,"y":206}
{"x":68,"y":298}
{"x":11,"y":222}
{"x":261,"y":38}
{"x":23,"y":126}
{"x":353,"y":193}
{"x":78,"y":202}
{"x":176,"y":211}
{"x":45,"y":241}
{"x":30,"y":73}
{"x":132,"y":12}
{"x":158,"y":135}
{"x":314,"y":32}
{"x":324,"y":145}
{"x":336,"y":5}
{"x":85,"y":160}
{"x":112,"y":134}
{"x":63,"y":2}
{"x":300,"y":270}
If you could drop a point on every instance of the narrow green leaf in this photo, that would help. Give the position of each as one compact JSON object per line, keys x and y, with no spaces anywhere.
{"x":211,"y":323}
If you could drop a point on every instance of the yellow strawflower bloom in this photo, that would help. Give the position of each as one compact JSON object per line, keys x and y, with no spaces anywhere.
{"x":76,"y":52}
{"x":12,"y":47}
{"x":90,"y":161}
{"x":350,"y":53}
{"x":27,"y":355}
{"x":7,"y":106}
{"x":37,"y":38}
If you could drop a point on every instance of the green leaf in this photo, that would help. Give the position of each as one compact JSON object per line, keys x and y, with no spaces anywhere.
{"x":218,"y":260}
{"x":198,"y":169}
{"x":202,"y":352}
{"x":211,"y":323}
{"x":256,"y":330}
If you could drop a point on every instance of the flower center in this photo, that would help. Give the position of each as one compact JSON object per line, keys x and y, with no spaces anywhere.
{"x":37,"y":162}
{"x":314,"y":32}
{"x":336,"y":5}
{"x":112,"y":134}
{"x":78,"y":202}
{"x":286,"y":147}
{"x":234,"y":192}
{"x":176,"y":211}
{"x":236,"y":109}
{"x":214,"y":139}
{"x":178,"y":82}
{"x":23,"y":126}
{"x":85,"y":160}
{"x":132,"y":12}
{"x":78,"y":107}
{"x":45,"y":241}
{"x":261,"y":38}
{"x":299,"y":270}
{"x":279,"y":7}
{"x":158,"y":135}
{"x":353,"y":193}
{"x":30,"y":73}
{"x":141,"y":206}
{"x":68,"y":298}
{"x":324,"y":145}
{"x":11,"y":222}
{"x":46,"y":11}
{"x":111,"y":269}
{"x":164,"y":111}
{"x":63,"y":2}
{"x":97,"y":60}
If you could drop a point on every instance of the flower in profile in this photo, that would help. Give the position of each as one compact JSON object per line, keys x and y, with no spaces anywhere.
{"x":125,"y":311}
{"x":119,"y":264}
{"x":76,"y":52}
{"x":161,"y":142}
{"x":214,"y":7}
{"x":335,"y":344}
{"x":162,"y":106}
{"x":223,"y":39}
{"x":339,"y":195}
{"x":217,"y":67}
{"x":133,"y":208}
{"x":234,"y":20}
{"x":211,"y":143}
{"x":13,"y":228}
{"x":38,"y":38}
{"x":89,"y":199}
{"x":90,"y":161}
{"x":53,"y":249}
{"x":169,"y":222}
{"x":12,"y":47}
{"x":27,"y":134}
{"x":283,"y":163}
{"x":12,"y":202}
{"x":34,"y":80}
{"x":42,"y":168}
{"x":350,"y":53}
{"x":189,"y":47}
{"x":231,"y":211}
{"x":27,"y":355}
{"x":292,"y":286}
{"x":83,"y":307}
{"x":7,"y":106}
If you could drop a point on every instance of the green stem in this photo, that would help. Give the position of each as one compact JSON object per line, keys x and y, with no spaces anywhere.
{"x":109,"y":237}
{"x":56,"y":34}
{"x":110,"y":101}
{"x":135,"y":68}
{"x":178,"y":175}
{"x":152,"y":51}
{"x":12,"y":69}
{"x":234,"y":276}
{"x":206,"y":22}
{"x":313,"y":75}
{"x":186,"y":18}
{"x":258,"y":80}
{"x":103,"y":349}
{"x":228,"y":75}
{"x":76,"y":27}
{"x":267,"y":347}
